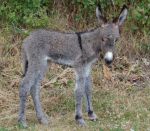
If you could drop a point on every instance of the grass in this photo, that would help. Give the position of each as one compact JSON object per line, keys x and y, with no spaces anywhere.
{"x":122,"y":103}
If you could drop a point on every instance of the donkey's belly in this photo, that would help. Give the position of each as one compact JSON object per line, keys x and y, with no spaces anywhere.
{"x":61,"y":59}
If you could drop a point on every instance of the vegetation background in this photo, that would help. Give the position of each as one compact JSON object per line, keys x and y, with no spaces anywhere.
{"x":121,"y":97}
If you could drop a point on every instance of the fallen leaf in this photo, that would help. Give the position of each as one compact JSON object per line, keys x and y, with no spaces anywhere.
{"x":106,"y":72}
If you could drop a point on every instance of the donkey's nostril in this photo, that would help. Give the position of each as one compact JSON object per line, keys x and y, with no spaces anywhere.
{"x":108,"y":62}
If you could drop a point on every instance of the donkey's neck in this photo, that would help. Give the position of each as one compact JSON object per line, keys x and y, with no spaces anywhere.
{"x":91,"y":40}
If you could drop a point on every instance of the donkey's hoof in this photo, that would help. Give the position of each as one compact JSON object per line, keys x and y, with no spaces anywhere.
{"x":81,"y":122}
{"x":22,"y":124}
{"x":93,"y":116}
{"x":43,"y":121}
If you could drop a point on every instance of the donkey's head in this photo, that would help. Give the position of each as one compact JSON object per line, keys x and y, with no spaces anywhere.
{"x":110,"y":32}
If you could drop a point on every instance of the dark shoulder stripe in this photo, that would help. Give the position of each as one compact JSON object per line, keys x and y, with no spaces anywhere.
{"x":79,"y":39}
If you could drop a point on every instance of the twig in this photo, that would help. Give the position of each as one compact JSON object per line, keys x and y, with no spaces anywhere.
{"x":55,"y":78}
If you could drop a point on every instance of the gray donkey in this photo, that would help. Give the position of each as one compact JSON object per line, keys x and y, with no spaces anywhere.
{"x":77,"y":50}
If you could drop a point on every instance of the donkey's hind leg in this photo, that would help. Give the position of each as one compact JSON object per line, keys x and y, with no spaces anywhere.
{"x":25,"y":87}
{"x":35,"y":93}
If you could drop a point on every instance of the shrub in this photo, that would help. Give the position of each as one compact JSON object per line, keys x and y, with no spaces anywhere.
{"x":35,"y":13}
{"x":23,"y":13}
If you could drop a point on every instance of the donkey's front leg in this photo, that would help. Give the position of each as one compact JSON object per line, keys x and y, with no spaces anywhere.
{"x":88,"y":95}
{"x":79,"y":93}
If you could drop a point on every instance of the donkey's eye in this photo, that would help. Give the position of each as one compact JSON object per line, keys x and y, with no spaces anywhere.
{"x":104,"y":39}
{"x":116,"y":40}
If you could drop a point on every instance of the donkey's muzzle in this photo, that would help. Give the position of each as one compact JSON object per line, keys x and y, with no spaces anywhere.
{"x":108,"y":58}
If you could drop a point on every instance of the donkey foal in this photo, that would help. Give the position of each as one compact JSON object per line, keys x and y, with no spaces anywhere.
{"x":78,"y":50}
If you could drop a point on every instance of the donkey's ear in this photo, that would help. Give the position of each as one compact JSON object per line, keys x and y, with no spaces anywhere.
{"x":100,"y":17}
{"x":123,"y":15}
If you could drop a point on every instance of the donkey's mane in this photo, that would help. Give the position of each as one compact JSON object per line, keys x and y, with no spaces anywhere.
{"x":72,"y":32}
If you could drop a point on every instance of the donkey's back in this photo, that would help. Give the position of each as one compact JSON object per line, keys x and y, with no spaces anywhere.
{"x":62,"y":48}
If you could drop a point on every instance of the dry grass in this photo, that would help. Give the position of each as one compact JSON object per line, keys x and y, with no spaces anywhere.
{"x":121,"y":103}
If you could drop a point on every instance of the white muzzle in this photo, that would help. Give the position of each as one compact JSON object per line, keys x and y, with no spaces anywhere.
{"x":108,"y":57}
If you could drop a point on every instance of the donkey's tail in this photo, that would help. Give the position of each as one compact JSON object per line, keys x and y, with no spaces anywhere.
{"x":24,"y":62}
